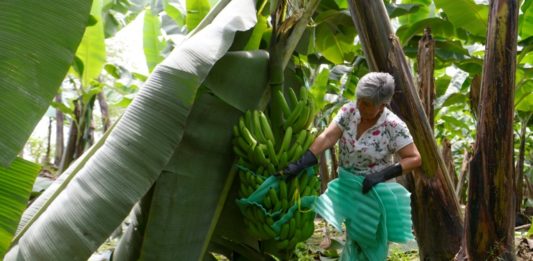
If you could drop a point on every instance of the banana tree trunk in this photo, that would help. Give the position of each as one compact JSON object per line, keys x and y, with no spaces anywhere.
{"x":104,"y":110}
{"x":426,"y":80}
{"x":59,"y":134}
{"x":490,"y":212}
{"x":434,"y":200}
{"x":520,"y":163}
{"x":463,"y":177}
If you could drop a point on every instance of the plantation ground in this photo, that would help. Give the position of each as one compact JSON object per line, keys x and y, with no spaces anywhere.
{"x":314,"y":248}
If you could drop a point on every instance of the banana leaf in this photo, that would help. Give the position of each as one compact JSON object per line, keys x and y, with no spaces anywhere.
{"x":92,"y":47}
{"x":102,"y":193}
{"x":189,"y":194}
{"x":38,"y":39}
{"x":15,"y":188}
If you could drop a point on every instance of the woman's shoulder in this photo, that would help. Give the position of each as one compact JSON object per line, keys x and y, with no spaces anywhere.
{"x":392,"y":119}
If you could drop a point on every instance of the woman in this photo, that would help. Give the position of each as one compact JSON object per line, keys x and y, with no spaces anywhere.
{"x":369,"y":135}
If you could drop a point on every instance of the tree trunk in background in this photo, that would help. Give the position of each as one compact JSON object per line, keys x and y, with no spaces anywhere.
{"x":426,"y":80}
{"x":475,"y":90}
{"x":325,"y":177}
{"x":59,"y":134}
{"x":104,"y":110}
{"x":46,"y":158}
{"x":79,"y":133}
{"x":520,"y":163}
{"x":436,"y":214}
{"x":490,"y":215}
{"x":334,"y":163}
{"x":446,"y":151}
{"x":73,"y":133}
{"x":85,"y":125}
{"x":463,"y":175}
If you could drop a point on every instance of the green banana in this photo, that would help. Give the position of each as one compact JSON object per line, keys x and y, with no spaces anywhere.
{"x":298,"y":218}
{"x":247,"y":135}
{"x":304,"y":93}
{"x":292,"y":98}
{"x":283,"y":189}
{"x":302,"y":119}
{"x":308,"y":141}
{"x":294,"y":115}
{"x":302,"y":135}
{"x":284,"y":231}
{"x":266,"y":128}
{"x":307,"y":230}
{"x":297,"y":153}
{"x":258,"y":130}
{"x":304,"y":178}
{"x":248,"y":119}
{"x":283,"y":160}
{"x":282,"y":102}
{"x":286,"y":140}
{"x":295,"y":238}
{"x":260,"y":154}
{"x":284,"y":244}
{"x":273,"y":195}
{"x":292,"y":228}
{"x":271,"y":169}
{"x":269,"y":221}
{"x":272,"y":153}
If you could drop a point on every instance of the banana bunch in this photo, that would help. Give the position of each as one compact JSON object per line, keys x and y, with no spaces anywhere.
{"x":298,"y":229}
{"x":254,"y":143}
{"x":262,"y":154}
{"x":297,"y":112}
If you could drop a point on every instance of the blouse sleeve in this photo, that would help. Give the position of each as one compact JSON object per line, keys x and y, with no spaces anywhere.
{"x":400,"y":137}
{"x":344,"y":116}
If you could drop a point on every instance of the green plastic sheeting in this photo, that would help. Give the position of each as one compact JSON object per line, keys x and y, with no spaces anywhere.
{"x":372,"y":220}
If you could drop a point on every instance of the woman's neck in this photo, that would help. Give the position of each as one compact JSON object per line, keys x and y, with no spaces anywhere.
{"x":371,"y":121}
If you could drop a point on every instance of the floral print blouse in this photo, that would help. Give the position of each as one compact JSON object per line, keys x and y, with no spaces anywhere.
{"x":376,"y":146}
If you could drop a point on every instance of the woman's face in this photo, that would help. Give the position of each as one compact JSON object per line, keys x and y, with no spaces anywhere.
{"x":368,"y":110}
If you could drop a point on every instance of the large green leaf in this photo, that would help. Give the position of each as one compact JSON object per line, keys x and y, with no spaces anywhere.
{"x":335,"y":36}
{"x":466,"y":14}
{"x":102,"y":193}
{"x":187,"y":194}
{"x":395,"y":10}
{"x":421,"y":13}
{"x":38,"y":39}
{"x":15,"y":188}
{"x":153,"y":43}
{"x":525,"y":25}
{"x":524,"y":96}
{"x":196,"y":11}
{"x":92,"y":47}
{"x":439,"y":28}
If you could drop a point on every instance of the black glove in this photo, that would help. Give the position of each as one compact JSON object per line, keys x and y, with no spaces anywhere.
{"x":388,"y":173}
{"x":293,"y":169}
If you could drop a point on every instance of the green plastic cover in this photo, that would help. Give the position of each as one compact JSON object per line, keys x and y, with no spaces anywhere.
{"x":372,"y":220}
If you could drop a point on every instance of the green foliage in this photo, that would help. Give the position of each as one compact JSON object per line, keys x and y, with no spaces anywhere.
{"x":335,"y":35}
{"x":466,"y":14}
{"x":15,"y":188}
{"x":44,"y":50}
{"x":153,"y":43}
{"x":91,"y":51}
{"x":422,"y":12}
{"x":196,"y":11}
{"x":525,"y":25}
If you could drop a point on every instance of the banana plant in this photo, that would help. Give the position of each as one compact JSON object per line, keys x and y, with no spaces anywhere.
{"x":136,"y":151}
{"x":34,"y":44}
{"x":37,"y":49}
